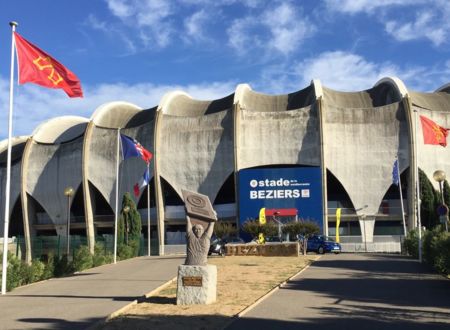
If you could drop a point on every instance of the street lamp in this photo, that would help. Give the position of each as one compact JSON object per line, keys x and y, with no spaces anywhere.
{"x":126,"y":209}
{"x":69,"y":193}
{"x":439,"y":176}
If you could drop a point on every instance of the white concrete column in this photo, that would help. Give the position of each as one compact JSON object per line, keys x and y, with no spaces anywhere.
{"x":367,"y":225}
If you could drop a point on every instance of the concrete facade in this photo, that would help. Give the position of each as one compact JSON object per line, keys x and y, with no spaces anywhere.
{"x":201,"y":145}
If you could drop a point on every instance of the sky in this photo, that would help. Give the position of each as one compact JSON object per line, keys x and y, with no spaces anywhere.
{"x":138,"y":50}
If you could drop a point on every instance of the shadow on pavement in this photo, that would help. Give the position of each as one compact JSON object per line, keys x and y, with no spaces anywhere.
{"x":58,"y":324}
{"x":342,"y":322}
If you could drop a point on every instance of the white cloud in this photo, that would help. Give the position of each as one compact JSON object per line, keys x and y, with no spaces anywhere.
{"x":346,"y":71}
{"x":34,"y":104}
{"x":194,"y":25}
{"x":426,"y":25}
{"x":430,"y":19}
{"x":367,"y":6}
{"x":282,"y":29}
{"x":149,"y":17}
{"x":120,"y":8}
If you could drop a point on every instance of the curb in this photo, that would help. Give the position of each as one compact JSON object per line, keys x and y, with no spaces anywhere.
{"x":267,"y":295}
{"x":134,"y":302}
{"x":131,"y":304}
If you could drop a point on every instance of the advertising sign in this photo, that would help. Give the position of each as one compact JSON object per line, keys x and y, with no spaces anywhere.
{"x":280,"y":190}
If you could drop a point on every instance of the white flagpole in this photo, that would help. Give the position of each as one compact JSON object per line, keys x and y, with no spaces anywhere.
{"x":418,"y":201}
{"x":401,"y":197}
{"x":148,"y":208}
{"x":8,"y":166}
{"x":116,"y":216}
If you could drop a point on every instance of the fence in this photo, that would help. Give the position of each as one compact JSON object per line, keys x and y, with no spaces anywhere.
{"x":43,"y":246}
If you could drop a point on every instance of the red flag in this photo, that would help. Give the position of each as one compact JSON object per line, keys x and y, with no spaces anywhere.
{"x":433,"y":133}
{"x":37,"y":67}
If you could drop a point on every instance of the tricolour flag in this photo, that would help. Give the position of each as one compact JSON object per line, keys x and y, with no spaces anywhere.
{"x":38,"y":67}
{"x":142,"y":183}
{"x":132,"y":148}
{"x":395,"y":178}
{"x":433,"y":133}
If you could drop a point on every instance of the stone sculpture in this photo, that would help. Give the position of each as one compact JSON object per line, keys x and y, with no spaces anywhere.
{"x":197,"y":281}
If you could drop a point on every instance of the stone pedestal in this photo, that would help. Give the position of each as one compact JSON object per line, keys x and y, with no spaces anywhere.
{"x":197,"y":285}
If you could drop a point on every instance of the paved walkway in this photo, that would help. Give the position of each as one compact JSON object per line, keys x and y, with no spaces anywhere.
{"x":79,"y":301}
{"x":351,"y":291}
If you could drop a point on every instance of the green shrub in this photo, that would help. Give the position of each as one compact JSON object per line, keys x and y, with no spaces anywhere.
{"x":38,"y":268}
{"x":101,"y":256}
{"x":14,"y":272}
{"x":224,"y":229}
{"x":49,"y":267}
{"x":411,"y":243}
{"x":63,"y":266}
{"x":82,"y":259}
{"x":254,"y":228}
{"x":125,"y":252}
{"x":435,"y":248}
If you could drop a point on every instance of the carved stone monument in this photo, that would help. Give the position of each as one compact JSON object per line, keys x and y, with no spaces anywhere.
{"x":197,"y":281}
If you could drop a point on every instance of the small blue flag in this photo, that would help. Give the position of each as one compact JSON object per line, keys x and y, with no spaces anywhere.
{"x":132,"y":148}
{"x":395,"y":178}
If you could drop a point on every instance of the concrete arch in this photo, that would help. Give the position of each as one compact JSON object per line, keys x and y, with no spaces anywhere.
{"x":434,"y":106}
{"x":17,"y":148}
{"x":99,"y":155}
{"x":371,"y":128}
{"x":259,"y":118}
{"x":56,"y":146}
{"x":205,"y":128}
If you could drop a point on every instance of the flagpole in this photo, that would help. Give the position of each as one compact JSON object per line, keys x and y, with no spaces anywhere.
{"x":8,"y":166}
{"x":419,"y":222}
{"x":148,"y":208}
{"x":117,"y":195}
{"x":401,"y":197}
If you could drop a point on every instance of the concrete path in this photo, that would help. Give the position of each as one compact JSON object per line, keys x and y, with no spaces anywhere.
{"x":351,"y":291}
{"x":79,"y":301}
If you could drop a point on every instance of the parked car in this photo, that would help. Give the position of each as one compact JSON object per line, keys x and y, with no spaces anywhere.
{"x":322,"y":244}
{"x":217,"y":246}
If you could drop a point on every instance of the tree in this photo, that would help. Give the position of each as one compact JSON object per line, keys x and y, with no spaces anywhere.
{"x":224,"y":229}
{"x":254,"y":228}
{"x":129,"y":228}
{"x":304,"y":228}
{"x":429,"y":201}
{"x":446,"y":193}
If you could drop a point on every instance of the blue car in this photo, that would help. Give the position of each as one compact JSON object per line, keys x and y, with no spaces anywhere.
{"x":322,"y":244}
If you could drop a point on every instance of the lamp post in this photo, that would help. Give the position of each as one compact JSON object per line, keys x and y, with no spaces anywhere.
{"x":439,"y":176}
{"x":126,"y":209}
{"x":69,"y":193}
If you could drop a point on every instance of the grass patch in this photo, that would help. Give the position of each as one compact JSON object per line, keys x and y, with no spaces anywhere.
{"x":241,"y":281}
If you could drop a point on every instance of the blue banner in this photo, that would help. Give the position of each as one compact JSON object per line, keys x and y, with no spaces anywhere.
{"x":281,"y":190}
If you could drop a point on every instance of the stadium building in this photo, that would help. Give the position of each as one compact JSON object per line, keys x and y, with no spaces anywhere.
{"x":301,"y":155}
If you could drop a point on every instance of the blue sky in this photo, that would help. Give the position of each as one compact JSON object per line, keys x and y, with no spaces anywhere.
{"x":137,"y":50}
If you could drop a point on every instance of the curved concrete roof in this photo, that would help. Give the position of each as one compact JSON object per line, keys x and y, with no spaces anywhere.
{"x":431,"y":101}
{"x":254,"y":101}
{"x":383,"y":93}
{"x":114,"y":114}
{"x":60,"y":129}
{"x":445,"y":88}
{"x":182,"y":104}
{"x":396,"y":83}
{"x":17,"y":146}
